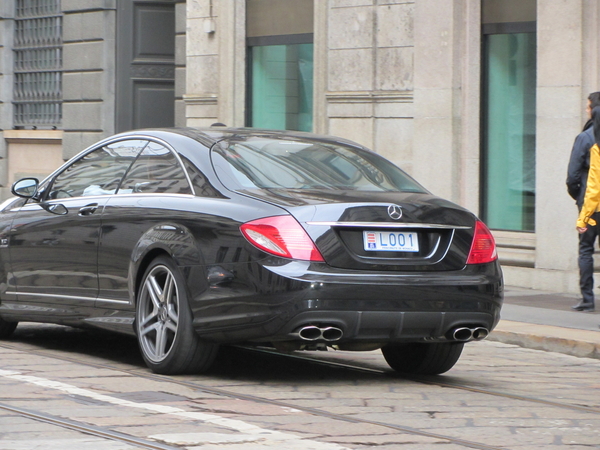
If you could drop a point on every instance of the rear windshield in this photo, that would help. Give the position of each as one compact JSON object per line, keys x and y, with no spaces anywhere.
{"x":260,"y":163}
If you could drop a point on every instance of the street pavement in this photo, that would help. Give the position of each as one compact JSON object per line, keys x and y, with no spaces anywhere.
{"x":69,"y":389}
{"x":544,"y":320}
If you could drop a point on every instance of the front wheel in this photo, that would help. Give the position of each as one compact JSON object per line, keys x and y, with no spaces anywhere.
{"x":164,"y":328}
{"x":422,"y":359}
{"x":7,"y":328}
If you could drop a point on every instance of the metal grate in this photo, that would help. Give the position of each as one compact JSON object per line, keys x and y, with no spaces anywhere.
{"x":38,"y":63}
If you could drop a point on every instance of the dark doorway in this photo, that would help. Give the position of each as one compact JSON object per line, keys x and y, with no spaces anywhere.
{"x":145,"y":72}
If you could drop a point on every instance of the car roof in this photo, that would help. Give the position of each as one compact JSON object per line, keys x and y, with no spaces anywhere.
{"x":211,"y":135}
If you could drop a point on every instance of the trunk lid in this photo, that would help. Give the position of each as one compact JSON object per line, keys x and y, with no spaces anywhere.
{"x":380,"y":231}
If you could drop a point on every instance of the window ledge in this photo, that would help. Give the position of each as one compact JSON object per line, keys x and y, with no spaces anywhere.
{"x":33,"y":136}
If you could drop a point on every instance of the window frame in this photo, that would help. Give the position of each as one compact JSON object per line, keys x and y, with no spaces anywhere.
{"x":49,"y":188}
{"x":488,"y":29}
{"x":177,"y":161}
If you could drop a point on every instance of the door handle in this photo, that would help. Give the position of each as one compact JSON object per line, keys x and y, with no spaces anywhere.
{"x":88,"y":210}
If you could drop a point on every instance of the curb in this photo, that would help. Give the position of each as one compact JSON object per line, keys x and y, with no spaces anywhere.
{"x":580,"y":343}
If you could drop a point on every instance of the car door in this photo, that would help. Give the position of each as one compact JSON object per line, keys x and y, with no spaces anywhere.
{"x":153,"y":192}
{"x":54,"y":242}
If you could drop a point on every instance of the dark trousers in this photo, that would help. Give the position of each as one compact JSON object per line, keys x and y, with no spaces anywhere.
{"x":586,"y":260}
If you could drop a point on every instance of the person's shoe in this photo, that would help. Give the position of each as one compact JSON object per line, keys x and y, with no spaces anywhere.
{"x":588,"y":307}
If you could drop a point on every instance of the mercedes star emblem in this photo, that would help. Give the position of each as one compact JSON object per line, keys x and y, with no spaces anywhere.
{"x":395,"y":212}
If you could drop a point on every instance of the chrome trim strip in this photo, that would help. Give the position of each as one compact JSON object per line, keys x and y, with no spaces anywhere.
{"x":391,"y":225}
{"x":95,"y":197}
{"x":69,"y":297}
{"x":178,"y":157}
{"x":148,"y":194}
{"x":110,"y":300}
{"x":37,"y":294}
{"x":116,"y":138}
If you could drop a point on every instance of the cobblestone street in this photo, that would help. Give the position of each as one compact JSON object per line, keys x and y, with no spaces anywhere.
{"x":497,"y":396}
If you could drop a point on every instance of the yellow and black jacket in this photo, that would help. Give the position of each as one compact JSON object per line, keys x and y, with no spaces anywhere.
{"x":591,"y":201}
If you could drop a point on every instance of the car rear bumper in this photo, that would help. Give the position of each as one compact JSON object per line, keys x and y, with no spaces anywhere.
{"x":277,"y":300}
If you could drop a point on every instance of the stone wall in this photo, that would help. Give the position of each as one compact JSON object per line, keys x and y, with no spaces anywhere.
{"x":369,"y":61}
{"x":180,"y":62}
{"x":6,"y":86}
{"x":89,"y":52}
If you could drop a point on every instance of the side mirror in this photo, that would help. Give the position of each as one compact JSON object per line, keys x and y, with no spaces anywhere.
{"x":26,"y":187}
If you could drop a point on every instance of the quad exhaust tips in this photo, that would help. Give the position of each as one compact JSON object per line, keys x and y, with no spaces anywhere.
{"x":315,"y":333}
{"x":464,"y":334}
{"x":312,"y":333}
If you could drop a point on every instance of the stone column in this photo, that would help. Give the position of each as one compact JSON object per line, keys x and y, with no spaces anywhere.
{"x":351,"y":70}
{"x":216,"y":63}
{"x":202,"y":63}
{"x":320,"y":74}
{"x":437,"y":96}
{"x":232,"y":63}
{"x":560,"y":116}
{"x":442,"y":31}
{"x":88,"y":72}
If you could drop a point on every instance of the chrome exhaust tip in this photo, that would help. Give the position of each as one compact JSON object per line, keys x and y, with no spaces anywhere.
{"x":332,"y":333}
{"x":315,"y":333}
{"x":462,"y":334}
{"x":310,"y":333}
{"x":480,"y":333}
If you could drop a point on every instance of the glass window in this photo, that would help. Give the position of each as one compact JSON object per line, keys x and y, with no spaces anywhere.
{"x":279,"y":36}
{"x":202,"y":186}
{"x":508,"y":112}
{"x":282,"y":87}
{"x":259,"y":163}
{"x":156,"y":170}
{"x":38,"y":63}
{"x":98,"y":172}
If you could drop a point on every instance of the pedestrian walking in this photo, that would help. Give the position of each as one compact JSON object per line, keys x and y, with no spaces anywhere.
{"x":577,"y":178}
{"x":588,"y":215}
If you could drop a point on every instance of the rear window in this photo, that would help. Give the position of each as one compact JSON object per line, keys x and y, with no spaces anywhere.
{"x":260,"y":163}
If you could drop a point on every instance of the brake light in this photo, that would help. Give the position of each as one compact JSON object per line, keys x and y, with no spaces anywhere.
{"x":281,"y":236}
{"x":483,"y":248}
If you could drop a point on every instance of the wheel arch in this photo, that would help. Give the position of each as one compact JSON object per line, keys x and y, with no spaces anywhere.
{"x":172,"y":240}
{"x":143,"y":266}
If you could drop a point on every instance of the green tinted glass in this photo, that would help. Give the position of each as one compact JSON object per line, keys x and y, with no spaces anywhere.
{"x":282,"y":87}
{"x":509,"y":131}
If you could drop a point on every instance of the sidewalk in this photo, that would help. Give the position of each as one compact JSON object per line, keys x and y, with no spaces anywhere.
{"x":545,"y":321}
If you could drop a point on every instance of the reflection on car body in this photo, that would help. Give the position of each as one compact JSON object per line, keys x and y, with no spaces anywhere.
{"x":193,"y":238}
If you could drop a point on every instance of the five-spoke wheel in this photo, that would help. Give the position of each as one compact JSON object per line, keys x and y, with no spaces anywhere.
{"x":167,"y":339}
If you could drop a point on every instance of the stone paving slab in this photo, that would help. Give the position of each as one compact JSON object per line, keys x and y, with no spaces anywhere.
{"x":581,"y":343}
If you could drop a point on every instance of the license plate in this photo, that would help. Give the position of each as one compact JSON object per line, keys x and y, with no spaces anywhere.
{"x":390,"y":241}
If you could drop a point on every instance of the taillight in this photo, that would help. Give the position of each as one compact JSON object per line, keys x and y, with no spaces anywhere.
{"x":483,"y":248}
{"x":281,"y":236}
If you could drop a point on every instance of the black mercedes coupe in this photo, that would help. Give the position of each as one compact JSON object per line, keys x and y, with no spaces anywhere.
{"x":193,"y":238}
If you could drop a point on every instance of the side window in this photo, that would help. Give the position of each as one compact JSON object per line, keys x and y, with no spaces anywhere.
{"x":156,"y":170}
{"x":202,"y":186}
{"x":98,"y":172}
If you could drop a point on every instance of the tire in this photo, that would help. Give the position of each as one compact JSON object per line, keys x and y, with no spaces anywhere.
{"x":163,"y":324}
{"x":422,"y":359}
{"x":7,"y":328}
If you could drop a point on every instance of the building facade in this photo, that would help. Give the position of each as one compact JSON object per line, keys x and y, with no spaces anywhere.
{"x":480,"y":100}
{"x":75,"y":71}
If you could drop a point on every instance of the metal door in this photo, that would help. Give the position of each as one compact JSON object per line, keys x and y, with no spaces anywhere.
{"x":145,"y":68}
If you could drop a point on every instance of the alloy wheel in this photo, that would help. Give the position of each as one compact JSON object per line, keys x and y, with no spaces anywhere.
{"x":158,"y":313}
